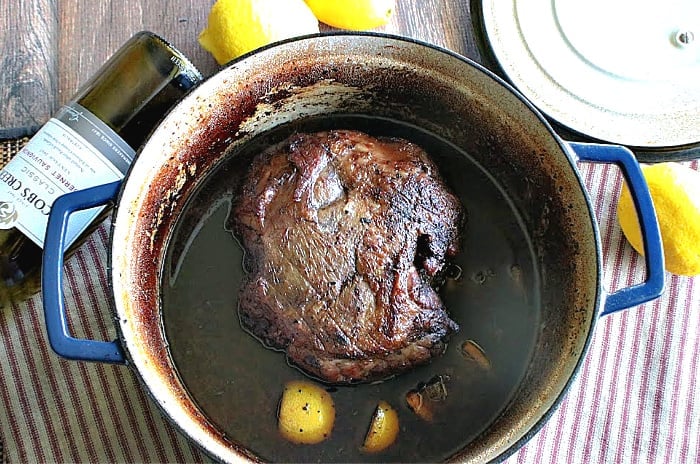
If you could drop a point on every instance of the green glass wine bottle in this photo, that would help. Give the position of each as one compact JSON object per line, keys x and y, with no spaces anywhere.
{"x":91,"y":140}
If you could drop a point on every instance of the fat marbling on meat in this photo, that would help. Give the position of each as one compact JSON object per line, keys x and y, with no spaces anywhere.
{"x":345,"y":237}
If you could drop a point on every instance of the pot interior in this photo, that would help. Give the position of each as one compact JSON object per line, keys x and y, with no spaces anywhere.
{"x":527,"y":293}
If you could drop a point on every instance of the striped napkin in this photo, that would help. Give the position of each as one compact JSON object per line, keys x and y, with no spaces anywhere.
{"x":636,"y":398}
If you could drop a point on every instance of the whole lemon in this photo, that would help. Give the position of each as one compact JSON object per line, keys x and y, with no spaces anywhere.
{"x":235,"y":27}
{"x":675,"y":191}
{"x":355,"y":15}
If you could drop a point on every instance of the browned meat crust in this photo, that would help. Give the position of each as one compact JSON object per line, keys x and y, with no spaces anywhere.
{"x":344,"y":236}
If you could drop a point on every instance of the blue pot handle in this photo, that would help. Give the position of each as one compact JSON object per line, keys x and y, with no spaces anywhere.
{"x":111,"y":352}
{"x":653,"y":252}
{"x":52,"y":278}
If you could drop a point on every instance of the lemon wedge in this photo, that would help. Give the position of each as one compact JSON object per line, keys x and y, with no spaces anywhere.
{"x":306,"y":413}
{"x":383,"y":429}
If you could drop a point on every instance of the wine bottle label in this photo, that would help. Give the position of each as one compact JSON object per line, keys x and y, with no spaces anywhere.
{"x":75,"y":150}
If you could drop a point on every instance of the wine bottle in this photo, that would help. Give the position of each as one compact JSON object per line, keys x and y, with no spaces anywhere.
{"x":91,"y":140}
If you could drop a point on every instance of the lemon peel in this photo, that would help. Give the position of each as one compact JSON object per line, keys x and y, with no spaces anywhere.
{"x":236,"y":27}
{"x":354,"y":15}
{"x":675,"y":191}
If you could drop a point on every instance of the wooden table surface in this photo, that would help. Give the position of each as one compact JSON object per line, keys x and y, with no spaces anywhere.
{"x":49,"y":47}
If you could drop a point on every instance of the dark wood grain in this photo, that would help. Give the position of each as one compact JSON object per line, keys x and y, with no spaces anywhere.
{"x":28,"y":60}
{"x":92,"y":30}
{"x":441,"y":22}
{"x":49,"y":48}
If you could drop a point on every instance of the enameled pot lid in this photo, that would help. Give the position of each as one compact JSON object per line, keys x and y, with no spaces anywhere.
{"x":621,"y":71}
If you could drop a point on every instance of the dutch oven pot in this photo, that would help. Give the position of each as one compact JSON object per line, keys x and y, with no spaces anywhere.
{"x":389,"y":79}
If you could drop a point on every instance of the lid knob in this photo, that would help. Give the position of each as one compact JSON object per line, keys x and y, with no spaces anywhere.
{"x":684,"y":38}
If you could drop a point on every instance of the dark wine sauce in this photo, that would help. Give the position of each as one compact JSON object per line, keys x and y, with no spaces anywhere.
{"x":491,"y":292}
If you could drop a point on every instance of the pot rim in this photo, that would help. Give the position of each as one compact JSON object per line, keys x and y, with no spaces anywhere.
{"x":114,"y":244}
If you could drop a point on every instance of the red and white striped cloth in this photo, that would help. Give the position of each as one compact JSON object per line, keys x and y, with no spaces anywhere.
{"x":636,"y":398}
